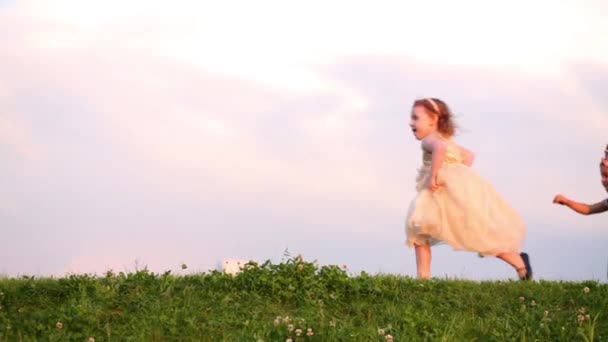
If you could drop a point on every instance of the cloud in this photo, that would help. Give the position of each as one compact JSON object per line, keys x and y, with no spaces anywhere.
{"x":120,"y":146}
{"x":134,"y":147}
{"x":592,"y":78}
{"x":142,"y":147}
{"x":16,"y":139}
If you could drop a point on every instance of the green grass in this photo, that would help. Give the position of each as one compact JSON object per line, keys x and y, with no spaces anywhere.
{"x":262,"y":302}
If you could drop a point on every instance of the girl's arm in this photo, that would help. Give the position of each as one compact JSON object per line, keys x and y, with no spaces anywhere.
{"x":467,"y":156}
{"x":581,"y":208}
{"x":437,"y":147}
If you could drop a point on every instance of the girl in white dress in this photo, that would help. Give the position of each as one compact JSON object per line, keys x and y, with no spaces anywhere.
{"x":455,"y":205}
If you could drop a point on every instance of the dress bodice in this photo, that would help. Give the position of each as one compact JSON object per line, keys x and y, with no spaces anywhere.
{"x":452,"y":155}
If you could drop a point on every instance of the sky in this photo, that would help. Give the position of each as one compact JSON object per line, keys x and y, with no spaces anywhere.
{"x":151,"y":134}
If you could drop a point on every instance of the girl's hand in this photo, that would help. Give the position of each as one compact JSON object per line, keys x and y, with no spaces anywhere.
{"x":437,"y":146}
{"x":560,"y":199}
{"x":434,"y":186}
{"x":467,"y":156}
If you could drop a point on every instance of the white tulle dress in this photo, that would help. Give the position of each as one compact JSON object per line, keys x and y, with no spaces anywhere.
{"x":466,"y":212}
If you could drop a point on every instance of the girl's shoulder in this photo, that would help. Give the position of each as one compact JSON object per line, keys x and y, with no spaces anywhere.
{"x":432,"y":140}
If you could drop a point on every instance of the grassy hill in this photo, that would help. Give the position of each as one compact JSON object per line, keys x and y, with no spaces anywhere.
{"x":274,"y":302}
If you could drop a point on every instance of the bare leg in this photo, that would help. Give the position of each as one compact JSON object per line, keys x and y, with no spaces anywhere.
{"x":423,"y":261}
{"x":514,"y":260}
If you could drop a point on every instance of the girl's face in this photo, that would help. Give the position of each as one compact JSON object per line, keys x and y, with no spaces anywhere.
{"x":422,"y":122}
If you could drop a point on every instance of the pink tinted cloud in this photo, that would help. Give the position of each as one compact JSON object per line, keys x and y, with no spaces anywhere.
{"x":278,"y":158}
{"x":15,"y":138}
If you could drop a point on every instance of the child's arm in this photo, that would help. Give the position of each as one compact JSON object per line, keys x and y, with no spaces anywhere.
{"x":604,"y":173}
{"x":581,"y":208}
{"x":437,"y":147}
{"x":467,"y":156}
